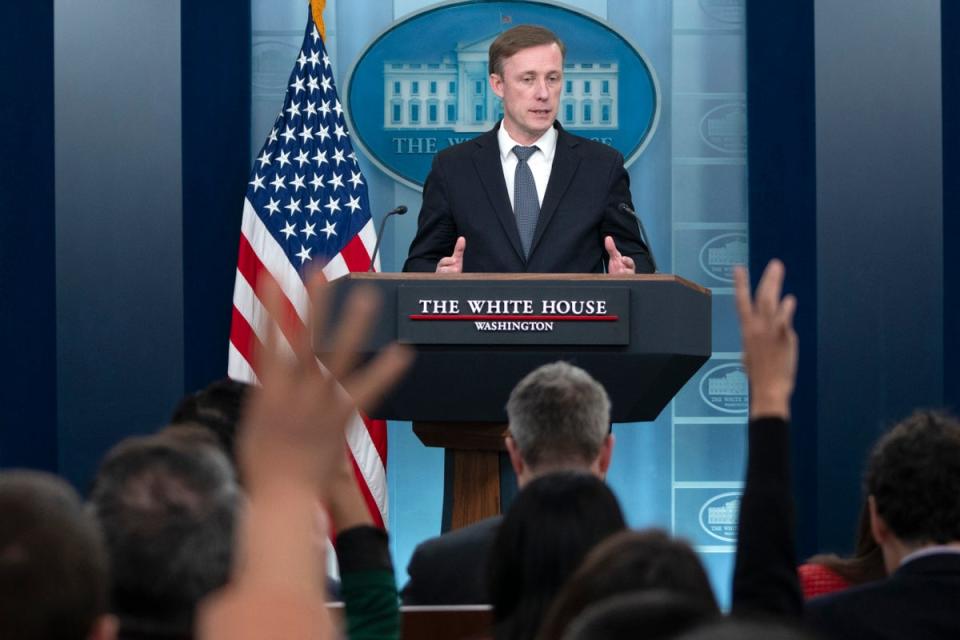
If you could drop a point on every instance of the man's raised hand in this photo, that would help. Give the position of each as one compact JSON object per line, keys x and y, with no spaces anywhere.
{"x":295,"y":422}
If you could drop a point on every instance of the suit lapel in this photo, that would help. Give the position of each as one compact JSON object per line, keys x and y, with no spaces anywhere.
{"x":565,"y":163}
{"x":490,"y":170}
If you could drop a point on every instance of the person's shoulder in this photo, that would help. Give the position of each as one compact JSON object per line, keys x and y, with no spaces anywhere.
{"x":477,"y":533}
{"x":851,"y":603}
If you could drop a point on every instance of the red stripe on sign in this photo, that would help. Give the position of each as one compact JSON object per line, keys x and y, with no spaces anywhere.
{"x":355,"y":255}
{"x":440,"y":316}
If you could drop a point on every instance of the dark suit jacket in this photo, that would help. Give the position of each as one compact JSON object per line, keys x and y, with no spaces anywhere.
{"x":920,"y":600}
{"x":452,"y":568}
{"x":465,"y":195}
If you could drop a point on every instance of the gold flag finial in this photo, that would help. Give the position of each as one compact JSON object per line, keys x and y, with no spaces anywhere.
{"x":316,"y":6}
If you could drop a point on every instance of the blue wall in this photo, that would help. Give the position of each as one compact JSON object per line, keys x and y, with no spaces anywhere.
{"x":950,"y":63}
{"x":847,"y":185}
{"x":118,"y":230}
{"x":28,"y":385}
{"x":114,"y":266}
{"x":782,"y":194}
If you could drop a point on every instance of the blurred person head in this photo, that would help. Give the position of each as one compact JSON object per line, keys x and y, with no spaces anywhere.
{"x":553,"y":523}
{"x":217,"y":408}
{"x":54,"y":575}
{"x":651,"y":614}
{"x":912,"y":481}
{"x":167,"y":508}
{"x":631,"y":561}
{"x":559,"y":420}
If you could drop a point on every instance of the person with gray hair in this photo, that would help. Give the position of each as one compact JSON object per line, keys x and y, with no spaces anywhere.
{"x":559,"y":420}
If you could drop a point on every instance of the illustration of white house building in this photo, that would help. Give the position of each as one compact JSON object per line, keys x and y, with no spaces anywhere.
{"x":454,"y":93}
{"x":724,"y":515}
{"x":731,"y":384}
{"x":732,"y":253}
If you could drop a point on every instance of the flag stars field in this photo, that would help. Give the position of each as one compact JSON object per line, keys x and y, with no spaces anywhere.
{"x":308,"y":166}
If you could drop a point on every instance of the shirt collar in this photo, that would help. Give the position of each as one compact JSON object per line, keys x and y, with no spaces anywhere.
{"x":929,"y":551}
{"x":547,"y":143}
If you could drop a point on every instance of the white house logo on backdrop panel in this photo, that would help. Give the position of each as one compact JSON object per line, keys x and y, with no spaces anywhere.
{"x":725,"y":389}
{"x":719,"y":516}
{"x":721,"y":253}
{"x":422,"y":86}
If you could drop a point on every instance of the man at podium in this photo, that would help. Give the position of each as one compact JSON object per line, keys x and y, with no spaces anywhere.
{"x":527,"y":196}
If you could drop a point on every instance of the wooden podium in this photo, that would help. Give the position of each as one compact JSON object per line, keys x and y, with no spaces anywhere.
{"x":476,"y":335}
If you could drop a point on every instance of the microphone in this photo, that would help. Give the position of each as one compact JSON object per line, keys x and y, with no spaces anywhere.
{"x":398,"y":211}
{"x":643,"y":232}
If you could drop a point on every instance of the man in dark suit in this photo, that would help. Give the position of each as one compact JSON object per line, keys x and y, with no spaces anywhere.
{"x":559,"y":420}
{"x":913,"y":486}
{"x":528,"y":196}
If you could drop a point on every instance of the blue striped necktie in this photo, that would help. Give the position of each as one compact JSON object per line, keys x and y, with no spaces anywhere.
{"x":526,"y":205}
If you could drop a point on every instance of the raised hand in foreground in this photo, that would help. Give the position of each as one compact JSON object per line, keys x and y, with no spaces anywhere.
{"x":290,"y":447}
{"x":769,"y":341}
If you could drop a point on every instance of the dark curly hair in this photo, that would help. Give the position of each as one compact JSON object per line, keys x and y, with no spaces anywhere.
{"x":913,"y":475}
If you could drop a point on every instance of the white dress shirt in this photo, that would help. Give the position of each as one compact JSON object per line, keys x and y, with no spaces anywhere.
{"x":540,"y":162}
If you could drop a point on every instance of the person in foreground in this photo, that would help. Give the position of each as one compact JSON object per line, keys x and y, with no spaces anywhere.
{"x":167,"y":509}
{"x":631,"y":562}
{"x":765,"y":578}
{"x":559,"y":420}
{"x":554,"y":522}
{"x":54,"y":578}
{"x":912,"y":482}
{"x":289,"y":445}
{"x":528,"y":196}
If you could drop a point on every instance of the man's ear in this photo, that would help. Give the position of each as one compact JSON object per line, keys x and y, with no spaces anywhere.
{"x":496,"y":83}
{"x":516,"y":460}
{"x":602,"y":463}
{"x":104,"y":627}
{"x":878,"y":527}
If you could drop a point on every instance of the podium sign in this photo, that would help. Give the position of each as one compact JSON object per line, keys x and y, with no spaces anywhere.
{"x":479,"y":313}
{"x":641,"y":336}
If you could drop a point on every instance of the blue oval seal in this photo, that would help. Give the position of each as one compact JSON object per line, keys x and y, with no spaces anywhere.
{"x":719,"y":516}
{"x":421,"y":85}
{"x":720,"y":254}
{"x":725,"y":388}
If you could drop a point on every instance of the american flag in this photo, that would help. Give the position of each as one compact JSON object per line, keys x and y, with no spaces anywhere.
{"x":306,"y":207}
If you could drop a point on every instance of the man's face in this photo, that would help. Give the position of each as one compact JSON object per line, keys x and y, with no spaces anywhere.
{"x":530,"y":89}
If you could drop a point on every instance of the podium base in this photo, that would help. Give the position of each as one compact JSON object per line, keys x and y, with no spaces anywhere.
{"x":472,"y":488}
